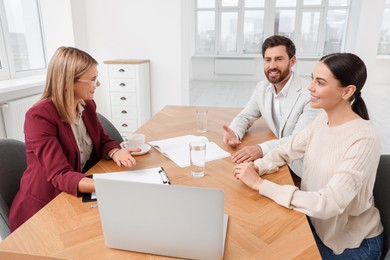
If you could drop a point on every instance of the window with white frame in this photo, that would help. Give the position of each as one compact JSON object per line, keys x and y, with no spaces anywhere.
{"x":239,"y":27}
{"x":22,"y":51}
{"x":384,"y":37}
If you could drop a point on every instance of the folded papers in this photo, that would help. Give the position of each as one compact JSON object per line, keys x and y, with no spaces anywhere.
{"x":177,"y":149}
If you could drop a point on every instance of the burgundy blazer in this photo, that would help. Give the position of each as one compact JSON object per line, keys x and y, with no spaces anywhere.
{"x":53,"y":158}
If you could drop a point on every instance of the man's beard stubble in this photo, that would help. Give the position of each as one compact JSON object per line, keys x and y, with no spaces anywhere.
{"x":279,"y":79}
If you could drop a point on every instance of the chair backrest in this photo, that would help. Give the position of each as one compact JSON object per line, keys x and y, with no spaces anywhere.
{"x":382,"y":197}
{"x":12,"y":165}
{"x":110,"y":128}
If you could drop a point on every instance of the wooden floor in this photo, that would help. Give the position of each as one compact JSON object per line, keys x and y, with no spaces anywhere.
{"x":236,"y":94}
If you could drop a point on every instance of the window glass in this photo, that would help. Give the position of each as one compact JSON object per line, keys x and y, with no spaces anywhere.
{"x":308,"y":40}
{"x":239,"y":26}
{"x":284,"y":23}
{"x":254,"y":3}
{"x":205,"y":3}
{"x":312,"y":2}
{"x":228,"y":42}
{"x":286,"y":3}
{"x":226,"y":3}
{"x":253,"y":31}
{"x":336,"y":22}
{"x":205,"y":35}
{"x":338,"y":3}
{"x":25,"y":34}
{"x":384,"y":37}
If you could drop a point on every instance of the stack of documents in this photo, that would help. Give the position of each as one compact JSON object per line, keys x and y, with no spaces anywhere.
{"x":177,"y":149}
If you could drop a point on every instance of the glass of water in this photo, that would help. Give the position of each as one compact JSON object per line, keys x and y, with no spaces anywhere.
{"x":197,"y":158}
{"x":201,"y":121}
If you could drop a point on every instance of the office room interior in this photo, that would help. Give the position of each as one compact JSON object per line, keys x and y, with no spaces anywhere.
{"x":164,"y":32}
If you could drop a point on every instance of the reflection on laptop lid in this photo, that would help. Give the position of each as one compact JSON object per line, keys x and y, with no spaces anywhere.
{"x":169,"y":220}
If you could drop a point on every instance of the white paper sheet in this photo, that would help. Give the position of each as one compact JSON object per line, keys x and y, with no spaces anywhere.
{"x":177,"y":149}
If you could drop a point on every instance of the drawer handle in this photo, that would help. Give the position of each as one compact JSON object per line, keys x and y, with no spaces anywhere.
{"x":124,"y":112}
{"x":123,"y":98}
{"x":122,"y":84}
{"x":121,"y":70}
{"x":124,"y":125}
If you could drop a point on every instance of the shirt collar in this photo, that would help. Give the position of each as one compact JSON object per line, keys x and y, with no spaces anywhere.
{"x":284,"y":90}
{"x":80,"y":109}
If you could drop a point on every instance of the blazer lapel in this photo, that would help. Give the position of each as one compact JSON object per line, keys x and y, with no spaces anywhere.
{"x":268,"y":109}
{"x":72,"y":138}
{"x":92,"y":131}
{"x":293,"y":94}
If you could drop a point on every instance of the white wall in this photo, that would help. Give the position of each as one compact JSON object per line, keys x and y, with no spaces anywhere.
{"x":203,"y":69}
{"x":147,"y":29}
{"x":366,"y":29}
{"x":381,"y":72}
{"x":367,"y":36}
{"x":79,"y":25}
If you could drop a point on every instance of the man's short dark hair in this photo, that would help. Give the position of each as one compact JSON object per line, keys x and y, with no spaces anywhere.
{"x":277,"y":40}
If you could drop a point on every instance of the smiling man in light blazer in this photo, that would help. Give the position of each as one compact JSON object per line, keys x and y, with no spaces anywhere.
{"x":283,"y":100}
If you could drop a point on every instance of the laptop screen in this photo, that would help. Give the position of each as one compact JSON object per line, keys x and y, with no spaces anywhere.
{"x":179,"y":221}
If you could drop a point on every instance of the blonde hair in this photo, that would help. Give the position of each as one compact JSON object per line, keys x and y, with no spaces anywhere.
{"x":66,"y":66}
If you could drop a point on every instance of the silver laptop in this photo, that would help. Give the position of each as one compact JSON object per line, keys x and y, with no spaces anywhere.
{"x":170,"y":220}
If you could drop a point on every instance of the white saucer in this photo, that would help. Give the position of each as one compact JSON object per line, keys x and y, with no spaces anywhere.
{"x":144,"y":149}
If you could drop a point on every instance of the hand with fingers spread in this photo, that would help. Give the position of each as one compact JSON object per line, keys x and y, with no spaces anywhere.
{"x":248,"y":174}
{"x":123,"y":156}
{"x":248,"y":154}
{"x":230,"y":137}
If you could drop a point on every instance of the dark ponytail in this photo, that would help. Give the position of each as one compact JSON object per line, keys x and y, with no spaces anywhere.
{"x":359,"y":107}
{"x":349,"y":69}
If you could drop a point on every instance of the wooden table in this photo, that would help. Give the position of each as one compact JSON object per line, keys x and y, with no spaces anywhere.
{"x":258,"y":228}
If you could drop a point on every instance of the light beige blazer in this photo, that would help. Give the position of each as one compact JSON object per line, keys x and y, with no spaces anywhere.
{"x":296,"y":114}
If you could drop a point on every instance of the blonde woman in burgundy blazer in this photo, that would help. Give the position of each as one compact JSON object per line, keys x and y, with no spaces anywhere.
{"x":63,"y":135}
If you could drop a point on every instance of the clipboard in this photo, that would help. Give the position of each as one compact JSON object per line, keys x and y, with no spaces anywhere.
{"x":151,"y":175}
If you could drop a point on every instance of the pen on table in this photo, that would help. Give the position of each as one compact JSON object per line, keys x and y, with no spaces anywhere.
{"x":164,"y":176}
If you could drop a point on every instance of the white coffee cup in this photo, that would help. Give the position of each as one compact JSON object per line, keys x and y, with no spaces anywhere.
{"x":133,"y":141}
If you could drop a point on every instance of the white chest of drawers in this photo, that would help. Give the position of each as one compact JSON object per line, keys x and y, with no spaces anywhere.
{"x":129,"y":89}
